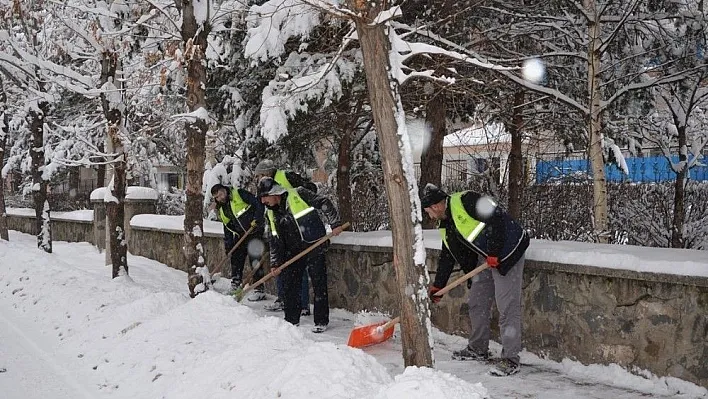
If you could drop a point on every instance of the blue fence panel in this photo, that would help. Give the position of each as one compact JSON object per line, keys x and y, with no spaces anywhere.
{"x":646,"y":169}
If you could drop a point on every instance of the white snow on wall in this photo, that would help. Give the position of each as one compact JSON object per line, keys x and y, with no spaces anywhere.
{"x":138,"y":193}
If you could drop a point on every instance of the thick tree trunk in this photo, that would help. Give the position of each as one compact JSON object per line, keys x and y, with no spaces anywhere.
{"x":194,"y":37}
{"x":431,"y":159}
{"x":117,"y":247}
{"x":386,"y":107}
{"x":4,"y":131}
{"x":595,"y":152}
{"x":677,"y":239}
{"x":39,"y":185}
{"x":516,"y":158}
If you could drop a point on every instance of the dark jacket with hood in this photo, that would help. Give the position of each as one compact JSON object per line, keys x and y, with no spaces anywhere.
{"x":291,"y":236}
{"x":502,"y":237}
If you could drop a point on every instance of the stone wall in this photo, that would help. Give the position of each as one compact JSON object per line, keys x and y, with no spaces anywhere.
{"x":62,"y":229}
{"x":165,"y":246}
{"x":657,"y":322}
{"x":652,"y":321}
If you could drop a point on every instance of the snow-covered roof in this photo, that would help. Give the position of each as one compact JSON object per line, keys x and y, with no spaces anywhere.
{"x":476,"y":135}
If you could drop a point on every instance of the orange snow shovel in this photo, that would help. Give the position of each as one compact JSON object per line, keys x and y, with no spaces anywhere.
{"x":292,"y":260}
{"x":372,"y":334}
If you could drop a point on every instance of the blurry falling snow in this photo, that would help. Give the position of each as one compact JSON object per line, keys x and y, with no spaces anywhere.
{"x":533,"y":70}
{"x":419,"y":135}
{"x":485,"y":207}
{"x":255,"y":248}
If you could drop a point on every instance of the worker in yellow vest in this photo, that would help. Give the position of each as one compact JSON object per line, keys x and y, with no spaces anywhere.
{"x":475,"y":229}
{"x":237,"y":209}
{"x":287,"y":179}
{"x":293,"y":224}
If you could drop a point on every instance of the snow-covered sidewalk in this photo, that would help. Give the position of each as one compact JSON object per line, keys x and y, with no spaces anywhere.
{"x":67,"y":330}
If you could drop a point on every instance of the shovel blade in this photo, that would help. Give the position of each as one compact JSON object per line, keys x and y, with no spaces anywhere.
{"x":370,"y":334}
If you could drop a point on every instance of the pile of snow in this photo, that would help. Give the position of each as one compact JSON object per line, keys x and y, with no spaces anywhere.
{"x":143,"y":337}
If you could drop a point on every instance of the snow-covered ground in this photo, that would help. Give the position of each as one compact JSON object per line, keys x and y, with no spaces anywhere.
{"x":67,"y":330}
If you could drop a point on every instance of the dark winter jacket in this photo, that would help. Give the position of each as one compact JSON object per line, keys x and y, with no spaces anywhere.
{"x":237,"y":226}
{"x":288,"y":236}
{"x":502,"y":236}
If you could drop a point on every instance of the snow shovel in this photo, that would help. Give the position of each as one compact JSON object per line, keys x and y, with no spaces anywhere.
{"x":217,"y":269}
{"x":288,"y":263}
{"x":372,"y":334}
{"x":239,"y":291}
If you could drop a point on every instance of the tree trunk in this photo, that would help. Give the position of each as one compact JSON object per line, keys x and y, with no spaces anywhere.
{"x":4,"y":131}
{"x":431,"y":159}
{"x":194,"y":37}
{"x":386,"y":108}
{"x":39,"y":185}
{"x":516,"y":158}
{"x":344,"y":167}
{"x":101,"y":169}
{"x":595,"y":152}
{"x":677,"y":239}
{"x":116,"y":246}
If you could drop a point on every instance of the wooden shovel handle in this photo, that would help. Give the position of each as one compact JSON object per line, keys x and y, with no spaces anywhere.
{"x":290,"y":261}
{"x":443,"y":291}
{"x":248,"y":278}
{"x":390,"y":324}
{"x":462,"y":279}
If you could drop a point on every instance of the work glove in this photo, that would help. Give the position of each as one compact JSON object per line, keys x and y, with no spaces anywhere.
{"x":493,"y":261}
{"x":431,"y":293}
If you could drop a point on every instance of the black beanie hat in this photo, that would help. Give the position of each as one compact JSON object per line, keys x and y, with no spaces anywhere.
{"x":432,"y":195}
{"x":216,"y":187}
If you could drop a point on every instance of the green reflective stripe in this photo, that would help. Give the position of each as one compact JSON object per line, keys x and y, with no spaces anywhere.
{"x":443,"y":234}
{"x":271,"y":221}
{"x":237,"y":204}
{"x":298,"y":208}
{"x":475,"y":232}
{"x":468,"y":227}
{"x":303,"y":212}
{"x":223,"y":217}
{"x":282,"y":180}
{"x":297,"y":204}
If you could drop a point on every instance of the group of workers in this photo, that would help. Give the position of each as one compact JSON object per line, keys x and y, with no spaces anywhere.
{"x":474,"y":230}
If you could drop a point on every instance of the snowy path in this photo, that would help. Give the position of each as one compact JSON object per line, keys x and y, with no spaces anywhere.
{"x":67,"y":330}
{"x":543,"y":379}
{"x":30,"y":370}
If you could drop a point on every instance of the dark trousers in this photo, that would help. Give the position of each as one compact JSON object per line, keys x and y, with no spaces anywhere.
{"x":314,"y":262}
{"x":304,"y":291}
{"x":238,"y":258}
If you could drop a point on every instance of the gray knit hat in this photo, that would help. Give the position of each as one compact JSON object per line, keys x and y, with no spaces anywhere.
{"x":265,"y":167}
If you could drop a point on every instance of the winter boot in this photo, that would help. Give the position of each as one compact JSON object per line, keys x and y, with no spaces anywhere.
{"x":256,"y":296}
{"x":468,"y":354}
{"x":320,"y":328}
{"x":275,"y":306}
{"x":504,"y":367}
{"x":305,"y":312}
{"x":235,"y":283}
